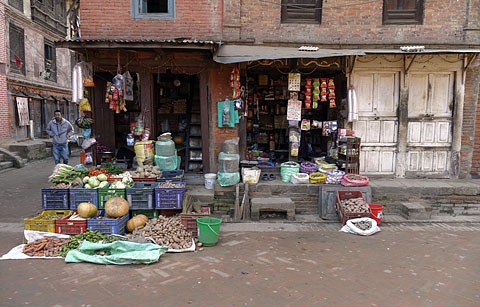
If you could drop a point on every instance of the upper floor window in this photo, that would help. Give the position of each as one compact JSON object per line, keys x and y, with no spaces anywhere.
{"x":50,"y":71}
{"x":402,"y":12}
{"x":153,"y":9}
{"x":16,"y":38}
{"x":302,"y":11}
{"x":18,"y":4}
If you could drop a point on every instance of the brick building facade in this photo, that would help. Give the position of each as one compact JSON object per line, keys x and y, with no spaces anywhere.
{"x":359,"y":31}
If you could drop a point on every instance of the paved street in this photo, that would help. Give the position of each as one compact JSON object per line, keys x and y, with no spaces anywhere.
{"x":269,"y":264}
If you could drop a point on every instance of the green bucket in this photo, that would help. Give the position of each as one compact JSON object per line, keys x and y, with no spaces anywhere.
{"x":208,"y":230}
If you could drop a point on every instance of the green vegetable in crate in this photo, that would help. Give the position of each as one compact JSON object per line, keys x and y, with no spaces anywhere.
{"x":85,"y":179}
{"x":102,"y":177}
{"x":116,"y":207}
{"x":94,"y":182}
{"x":87,"y":186}
{"x":128,"y":181}
{"x":87,"y":210}
{"x":103,"y":184}
{"x":117,"y":185}
{"x":66,"y":173}
{"x":111,"y":169}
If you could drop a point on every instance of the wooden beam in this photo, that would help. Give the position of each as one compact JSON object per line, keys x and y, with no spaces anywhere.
{"x":410,"y":64}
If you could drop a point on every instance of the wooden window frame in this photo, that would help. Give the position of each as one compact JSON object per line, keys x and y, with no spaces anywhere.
{"x":20,"y":39}
{"x":18,"y":4}
{"x":53,"y":65}
{"x":136,"y":11}
{"x":389,"y":17}
{"x":286,"y":19}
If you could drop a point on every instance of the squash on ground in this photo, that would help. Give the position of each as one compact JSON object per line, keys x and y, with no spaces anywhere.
{"x":87,"y":210}
{"x":116,"y":207}
{"x":136,"y":221}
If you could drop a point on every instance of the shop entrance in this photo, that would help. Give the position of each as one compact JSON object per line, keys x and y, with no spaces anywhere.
{"x":177,"y":105}
{"x":269,"y":133}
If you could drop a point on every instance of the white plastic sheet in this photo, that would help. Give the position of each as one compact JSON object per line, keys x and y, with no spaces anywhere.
{"x":31,"y":236}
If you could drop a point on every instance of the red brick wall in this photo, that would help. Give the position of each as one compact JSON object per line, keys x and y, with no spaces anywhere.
{"x":220,"y":90}
{"x":3,"y":78}
{"x":353,"y":24}
{"x":102,"y":19}
{"x":471,"y":138}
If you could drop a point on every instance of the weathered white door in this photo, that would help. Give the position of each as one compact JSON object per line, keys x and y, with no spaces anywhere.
{"x":429,"y":136}
{"x":377,"y":96}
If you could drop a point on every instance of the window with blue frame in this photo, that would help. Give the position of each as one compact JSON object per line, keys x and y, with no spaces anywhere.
{"x":153,"y":9}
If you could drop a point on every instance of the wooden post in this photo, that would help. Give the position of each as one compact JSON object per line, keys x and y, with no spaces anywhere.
{"x":237,"y":215}
{"x":246,"y":206}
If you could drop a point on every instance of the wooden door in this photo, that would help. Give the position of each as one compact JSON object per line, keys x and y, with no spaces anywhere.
{"x":377,"y":96}
{"x":429,"y":136}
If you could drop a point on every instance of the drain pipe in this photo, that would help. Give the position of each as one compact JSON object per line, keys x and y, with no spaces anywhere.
{"x":32,"y":135}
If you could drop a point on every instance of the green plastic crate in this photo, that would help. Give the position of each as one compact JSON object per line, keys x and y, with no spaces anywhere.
{"x":106,"y":193}
{"x":148,"y":213}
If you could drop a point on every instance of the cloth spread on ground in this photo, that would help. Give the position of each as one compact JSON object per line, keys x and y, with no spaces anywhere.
{"x":118,"y":252}
{"x":234,"y":119}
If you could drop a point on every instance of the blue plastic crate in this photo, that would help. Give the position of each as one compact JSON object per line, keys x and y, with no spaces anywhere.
{"x":175,"y":175}
{"x":80,"y":195}
{"x":55,"y":199}
{"x":141,"y":195}
{"x":108,"y":226}
{"x":169,"y":198}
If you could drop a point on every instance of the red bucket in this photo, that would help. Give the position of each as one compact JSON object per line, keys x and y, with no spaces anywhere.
{"x":376,"y":212}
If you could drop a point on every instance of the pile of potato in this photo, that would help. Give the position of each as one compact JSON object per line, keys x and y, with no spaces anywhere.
{"x":354,"y":205}
{"x":168,"y":231}
{"x":146,"y":171}
{"x":363,"y":225}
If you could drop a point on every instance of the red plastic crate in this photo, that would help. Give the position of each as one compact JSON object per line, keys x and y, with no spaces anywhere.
{"x":144,"y":179}
{"x":73,"y":227}
{"x":342,"y":215}
{"x":190,"y":220}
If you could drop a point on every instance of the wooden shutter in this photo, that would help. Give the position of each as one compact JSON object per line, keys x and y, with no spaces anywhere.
{"x":17,"y":48}
{"x":302,"y":11}
{"x":403,"y":11}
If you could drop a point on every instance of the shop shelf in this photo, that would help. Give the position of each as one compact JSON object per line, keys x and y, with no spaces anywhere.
{"x":169,"y":198}
{"x":106,"y":193}
{"x":108,"y":226}
{"x":45,"y":221}
{"x":176,"y":175}
{"x":141,"y":195}
{"x":148,"y":213}
{"x":70,"y":227}
{"x":81,"y":195}
{"x":55,"y":199}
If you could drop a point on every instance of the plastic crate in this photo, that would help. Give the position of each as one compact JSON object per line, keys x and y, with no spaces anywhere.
{"x":141,"y":195}
{"x":175,"y":175}
{"x":55,"y":199}
{"x":139,"y":179}
{"x":81,"y":195}
{"x":190,"y":220}
{"x":106,"y":193}
{"x":148,"y":213}
{"x":344,"y":216}
{"x":169,"y":198}
{"x":108,"y":226}
{"x":70,"y":227}
{"x":41,"y":223}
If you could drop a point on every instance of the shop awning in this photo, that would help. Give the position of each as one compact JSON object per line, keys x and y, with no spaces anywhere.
{"x":227,"y":54}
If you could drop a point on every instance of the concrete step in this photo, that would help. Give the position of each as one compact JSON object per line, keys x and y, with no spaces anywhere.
{"x":416,"y":211}
{"x":6,"y":164}
{"x":200,"y":194}
{"x":2,"y":157}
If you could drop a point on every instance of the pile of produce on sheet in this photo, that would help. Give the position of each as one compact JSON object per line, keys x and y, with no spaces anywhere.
{"x":88,"y":235}
{"x":168,"y":231}
{"x":45,"y":247}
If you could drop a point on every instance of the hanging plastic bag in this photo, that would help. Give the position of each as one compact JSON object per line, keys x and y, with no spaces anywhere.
{"x":85,"y":105}
{"x":144,"y":151}
{"x":128,"y":86}
{"x":226,"y":114}
{"x":88,"y":143}
{"x":86,"y":133}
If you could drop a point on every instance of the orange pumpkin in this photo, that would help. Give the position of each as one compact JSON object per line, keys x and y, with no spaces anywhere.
{"x":116,"y":207}
{"x":87,"y":210}
{"x":136,"y":221}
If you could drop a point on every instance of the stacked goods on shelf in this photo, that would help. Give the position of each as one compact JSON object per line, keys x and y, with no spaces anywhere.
{"x":228,"y":164}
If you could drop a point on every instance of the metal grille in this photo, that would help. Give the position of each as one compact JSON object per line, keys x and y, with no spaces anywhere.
{"x":17,"y":49}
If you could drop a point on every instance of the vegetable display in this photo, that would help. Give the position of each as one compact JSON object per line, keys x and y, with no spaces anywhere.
{"x":45,"y":247}
{"x":88,"y":235}
{"x":136,"y":221}
{"x":354,"y":205}
{"x":116,"y":207}
{"x":94,"y":182}
{"x":63,"y":173}
{"x":87,"y":210}
{"x":168,"y":231}
{"x":110,"y":168}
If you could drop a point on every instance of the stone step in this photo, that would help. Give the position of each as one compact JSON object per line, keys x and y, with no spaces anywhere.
{"x":2,"y":157}
{"x":6,"y":164}
{"x":272,"y":204}
{"x":200,"y":194}
{"x":416,"y":211}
